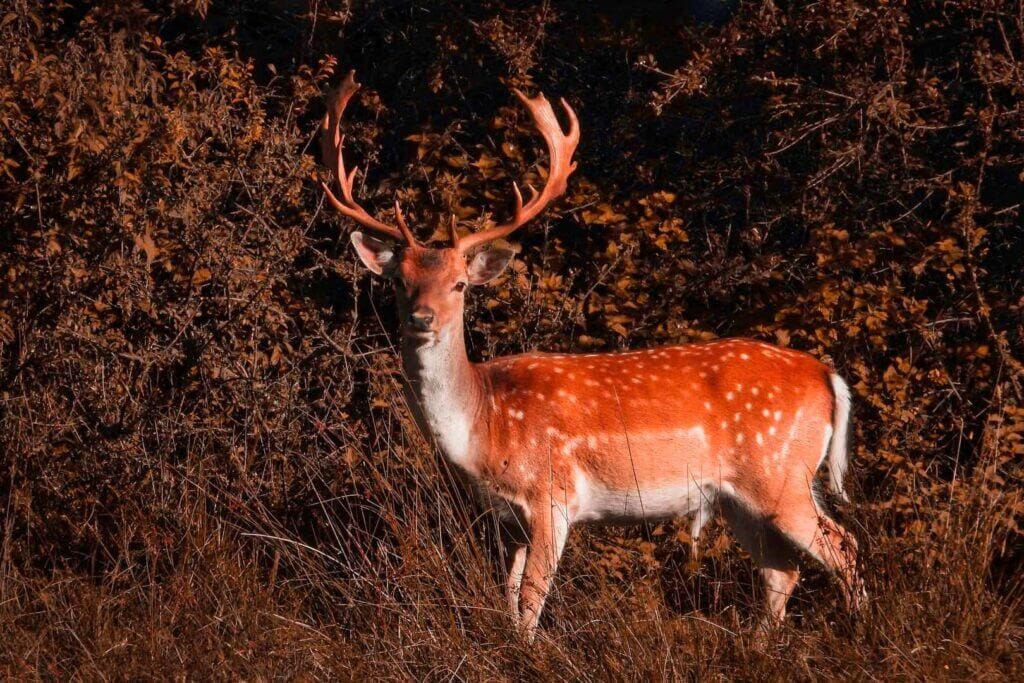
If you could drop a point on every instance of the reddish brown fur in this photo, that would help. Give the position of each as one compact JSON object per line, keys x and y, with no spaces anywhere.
{"x":634,"y":405}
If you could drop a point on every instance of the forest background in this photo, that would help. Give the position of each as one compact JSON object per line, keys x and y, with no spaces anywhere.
{"x":206,"y":464}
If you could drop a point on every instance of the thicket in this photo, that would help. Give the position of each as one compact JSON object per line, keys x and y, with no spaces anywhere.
{"x":206,"y":464}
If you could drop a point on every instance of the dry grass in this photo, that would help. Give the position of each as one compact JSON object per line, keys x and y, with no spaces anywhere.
{"x":400,"y":586}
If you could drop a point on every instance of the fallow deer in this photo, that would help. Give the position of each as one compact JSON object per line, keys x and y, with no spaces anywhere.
{"x":553,"y":440}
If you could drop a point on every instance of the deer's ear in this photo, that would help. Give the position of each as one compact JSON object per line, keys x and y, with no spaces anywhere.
{"x":488,"y":264}
{"x":380,"y":257}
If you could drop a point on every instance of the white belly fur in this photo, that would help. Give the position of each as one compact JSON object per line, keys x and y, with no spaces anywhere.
{"x":598,"y":503}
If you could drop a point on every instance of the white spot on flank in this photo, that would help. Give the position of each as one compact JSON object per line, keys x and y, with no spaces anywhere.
{"x":754,"y":390}
{"x":739,"y":438}
{"x":784,"y":452}
{"x":765,"y":412}
{"x":748,"y":405}
{"x":778,"y":415}
{"x":725,"y":424}
{"x":744,"y":356}
{"x":728,"y":396}
{"x":771,"y":431}
{"x":707,"y":405}
{"x":760,"y":439}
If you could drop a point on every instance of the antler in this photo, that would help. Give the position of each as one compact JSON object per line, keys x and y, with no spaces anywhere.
{"x":331,"y":141}
{"x":561,"y":147}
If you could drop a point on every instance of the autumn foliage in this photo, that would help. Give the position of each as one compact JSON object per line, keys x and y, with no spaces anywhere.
{"x":206,"y":464}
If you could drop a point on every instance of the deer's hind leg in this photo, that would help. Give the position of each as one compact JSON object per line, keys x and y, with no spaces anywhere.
{"x":825,"y":540}
{"x":772,"y":551}
{"x":705,"y":510}
{"x":775,"y":538}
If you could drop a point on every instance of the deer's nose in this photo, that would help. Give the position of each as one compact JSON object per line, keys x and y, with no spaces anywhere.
{"x":421,"y":318}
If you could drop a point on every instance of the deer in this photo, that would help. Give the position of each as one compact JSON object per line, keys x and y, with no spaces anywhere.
{"x":552,"y":440}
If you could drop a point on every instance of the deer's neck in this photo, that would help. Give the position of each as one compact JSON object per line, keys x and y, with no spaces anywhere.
{"x":448,"y":391}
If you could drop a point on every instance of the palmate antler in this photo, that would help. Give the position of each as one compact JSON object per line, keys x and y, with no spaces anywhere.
{"x":331,"y":141}
{"x":561,"y":147}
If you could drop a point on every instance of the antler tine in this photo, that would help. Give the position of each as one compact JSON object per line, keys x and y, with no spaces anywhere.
{"x":331,"y":141}
{"x":561,"y":146}
{"x":406,"y":232}
{"x":453,"y":233}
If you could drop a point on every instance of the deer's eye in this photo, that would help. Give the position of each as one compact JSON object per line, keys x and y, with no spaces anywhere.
{"x":460,"y":287}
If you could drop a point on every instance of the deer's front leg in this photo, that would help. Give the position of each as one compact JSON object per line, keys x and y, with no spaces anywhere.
{"x":549,"y":529}
{"x":516,"y":553}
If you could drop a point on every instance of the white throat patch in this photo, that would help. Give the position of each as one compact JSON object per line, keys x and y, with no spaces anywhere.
{"x":444,"y":404}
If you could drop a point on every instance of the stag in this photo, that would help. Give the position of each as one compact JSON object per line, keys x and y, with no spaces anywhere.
{"x":552,"y":440}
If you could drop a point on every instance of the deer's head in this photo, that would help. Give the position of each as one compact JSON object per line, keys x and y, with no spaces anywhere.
{"x":431,"y":282}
